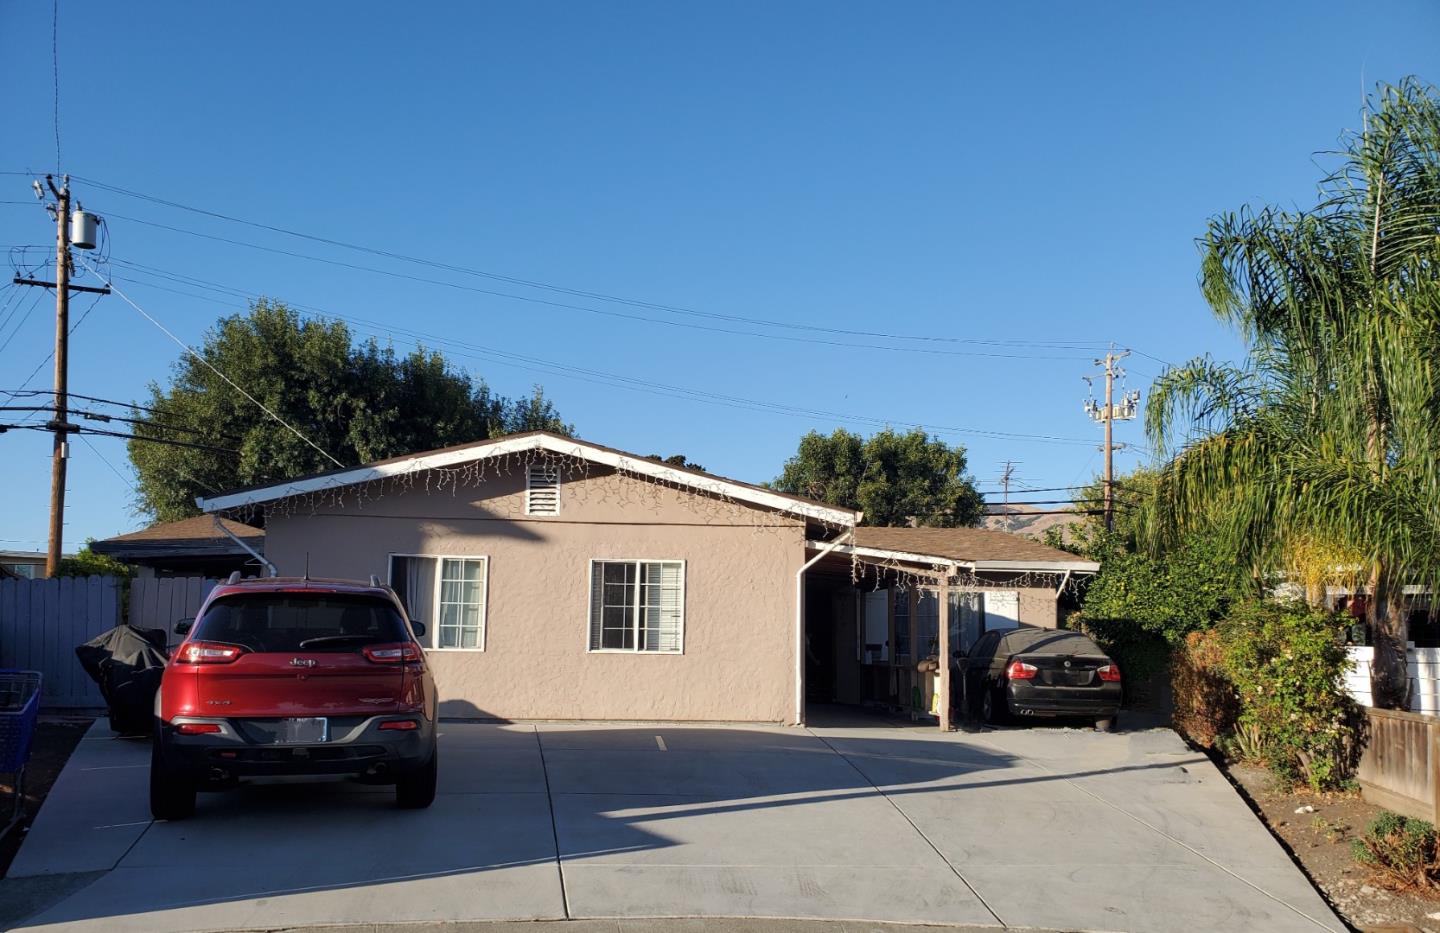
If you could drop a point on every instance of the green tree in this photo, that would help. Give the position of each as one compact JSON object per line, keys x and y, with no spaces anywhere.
{"x":86,"y":563}
{"x":357,"y":403}
{"x":894,"y":478}
{"x":1320,"y":454}
{"x":677,"y":460}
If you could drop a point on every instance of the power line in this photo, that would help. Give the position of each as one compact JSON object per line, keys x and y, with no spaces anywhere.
{"x":88,"y":398}
{"x":188,"y":349}
{"x":106,"y":460}
{"x":614,"y":380}
{"x":133,"y":437}
{"x":546,"y":302}
{"x":51,"y":355}
{"x":574,"y":292}
{"x":101,"y":416}
{"x":34,"y":303}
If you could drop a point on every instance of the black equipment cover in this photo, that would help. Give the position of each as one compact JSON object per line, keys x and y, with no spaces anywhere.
{"x":127,"y":663}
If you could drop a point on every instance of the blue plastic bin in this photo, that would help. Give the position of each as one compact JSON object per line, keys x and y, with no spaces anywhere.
{"x":19,"y":707}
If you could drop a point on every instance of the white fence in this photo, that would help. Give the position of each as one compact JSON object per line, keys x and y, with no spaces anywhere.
{"x":1423,"y":665}
{"x":41,"y":623}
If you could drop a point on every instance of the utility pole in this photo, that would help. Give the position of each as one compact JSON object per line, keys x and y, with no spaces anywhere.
{"x":1108,"y":415}
{"x":60,"y":449}
{"x":1005,"y":481}
{"x":60,"y":426}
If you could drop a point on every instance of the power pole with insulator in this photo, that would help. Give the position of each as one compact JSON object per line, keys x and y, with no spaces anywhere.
{"x":1107,"y":415}
{"x":77,"y":229}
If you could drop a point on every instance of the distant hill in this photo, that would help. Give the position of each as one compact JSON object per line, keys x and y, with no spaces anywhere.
{"x":1025,"y":520}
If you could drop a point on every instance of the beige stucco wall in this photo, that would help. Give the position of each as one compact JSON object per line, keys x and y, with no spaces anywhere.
{"x":739,"y":639}
{"x":1038,"y":607}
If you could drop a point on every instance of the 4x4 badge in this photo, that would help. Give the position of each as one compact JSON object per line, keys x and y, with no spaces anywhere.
{"x":302,"y":662}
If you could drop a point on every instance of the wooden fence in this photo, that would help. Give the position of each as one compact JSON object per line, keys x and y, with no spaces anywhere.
{"x":41,"y":623}
{"x":163,"y":601}
{"x":1398,"y":769}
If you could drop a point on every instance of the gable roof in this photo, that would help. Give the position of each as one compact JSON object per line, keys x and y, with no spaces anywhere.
{"x":977,"y":549}
{"x":696,"y":480}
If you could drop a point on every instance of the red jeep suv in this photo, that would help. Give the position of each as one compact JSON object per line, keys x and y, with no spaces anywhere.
{"x":281,"y":677}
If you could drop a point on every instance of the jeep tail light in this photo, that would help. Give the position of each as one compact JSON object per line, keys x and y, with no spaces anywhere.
{"x":1110,"y":672}
{"x":392,"y":654}
{"x":197,"y":728}
{"x":207,"y":652}
{"x":1019,"y":670}
{"x":399,"y":725}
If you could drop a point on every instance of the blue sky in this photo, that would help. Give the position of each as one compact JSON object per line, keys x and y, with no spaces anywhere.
{"x":1023,"y":174}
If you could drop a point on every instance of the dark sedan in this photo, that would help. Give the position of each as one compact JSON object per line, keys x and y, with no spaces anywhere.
{"x":1033,"y":672}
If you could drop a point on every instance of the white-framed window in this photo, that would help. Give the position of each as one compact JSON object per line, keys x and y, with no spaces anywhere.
{"x":542,"y":489}
{"x":637,"y":606}
{"x":447,"y":593}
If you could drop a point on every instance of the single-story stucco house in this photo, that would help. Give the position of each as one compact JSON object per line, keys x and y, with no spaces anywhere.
{"x":559,"y":579}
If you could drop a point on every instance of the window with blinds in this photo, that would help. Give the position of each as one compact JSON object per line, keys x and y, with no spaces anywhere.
{"x":637,"y":605}
{"x":542,"y":489}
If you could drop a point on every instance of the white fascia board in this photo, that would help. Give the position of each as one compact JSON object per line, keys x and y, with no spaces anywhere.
{"x":883,"y":554}
{"x":565,"y":446}
{"x":1039,"y":566}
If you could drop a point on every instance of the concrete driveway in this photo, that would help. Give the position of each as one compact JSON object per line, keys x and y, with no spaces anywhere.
{"x":850,"y":819}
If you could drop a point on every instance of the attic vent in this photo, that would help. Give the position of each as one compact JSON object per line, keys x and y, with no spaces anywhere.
{"x":542,"y":490}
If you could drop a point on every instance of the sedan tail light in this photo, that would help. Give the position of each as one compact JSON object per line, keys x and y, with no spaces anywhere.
{"x":392,"y":654}
{"x":1109,"y":672}
{"x":208,"y":652}
{"x":399,"y":725}
{"x":1019,"y":670}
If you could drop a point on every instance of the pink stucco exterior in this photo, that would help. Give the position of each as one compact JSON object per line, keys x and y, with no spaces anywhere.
{"x":738,"y":662}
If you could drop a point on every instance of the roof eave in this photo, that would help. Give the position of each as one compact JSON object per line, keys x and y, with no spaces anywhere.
{"x":554,"y":444}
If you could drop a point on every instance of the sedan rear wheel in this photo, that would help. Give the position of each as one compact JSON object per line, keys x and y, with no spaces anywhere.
{"x":992,"y":706}
{"x":416,"y":790}
{"x":172,"y":795}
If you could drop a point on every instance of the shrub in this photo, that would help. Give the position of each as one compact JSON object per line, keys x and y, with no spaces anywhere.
{"x":1402,"y":851}
{"x":1206,"y":708}
{"x":1287,"y":663}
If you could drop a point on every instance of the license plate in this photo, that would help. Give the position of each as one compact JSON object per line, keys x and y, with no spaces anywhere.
{"x":303,"y":731}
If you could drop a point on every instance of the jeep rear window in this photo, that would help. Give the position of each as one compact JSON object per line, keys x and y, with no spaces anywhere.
{"x":289,"y":622}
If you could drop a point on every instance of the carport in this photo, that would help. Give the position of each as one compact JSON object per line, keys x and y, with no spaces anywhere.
{"x":880,"y":602}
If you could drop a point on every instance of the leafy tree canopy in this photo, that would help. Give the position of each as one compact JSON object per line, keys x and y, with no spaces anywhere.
{"x":86,"y":563}
{"x":358,"y":402}
{"x":894,"y":478}
{"x":677,"y":460}
{"x":1169,"y":593}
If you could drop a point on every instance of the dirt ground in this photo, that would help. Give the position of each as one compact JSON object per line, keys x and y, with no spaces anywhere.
{"x":55,"y":738}
{"x":1319,"y":839}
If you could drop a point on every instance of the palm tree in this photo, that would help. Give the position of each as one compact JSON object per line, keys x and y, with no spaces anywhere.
{"x":1320,"y":454}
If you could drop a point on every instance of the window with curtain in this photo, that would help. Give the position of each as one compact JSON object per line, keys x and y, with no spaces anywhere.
{"x":637,"y":606}
{"x":448,"y":594}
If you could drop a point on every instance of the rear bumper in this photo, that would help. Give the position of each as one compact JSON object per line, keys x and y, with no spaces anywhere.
{"x":364,"y":750}
{"x":1028,"y":700}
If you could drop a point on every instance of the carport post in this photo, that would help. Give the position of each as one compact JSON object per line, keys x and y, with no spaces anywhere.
{"x":942,"y":673}
{"x":800,"y":621}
